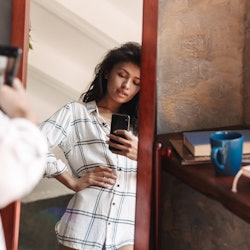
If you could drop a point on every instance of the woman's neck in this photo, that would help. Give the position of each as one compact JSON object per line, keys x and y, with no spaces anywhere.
{"x":108,"y":107}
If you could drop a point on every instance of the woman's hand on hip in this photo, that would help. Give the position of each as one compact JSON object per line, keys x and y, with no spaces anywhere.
{"x":100,"y":176}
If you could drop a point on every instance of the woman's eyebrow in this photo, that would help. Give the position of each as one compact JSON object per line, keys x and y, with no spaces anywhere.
{"x":124,"y":70}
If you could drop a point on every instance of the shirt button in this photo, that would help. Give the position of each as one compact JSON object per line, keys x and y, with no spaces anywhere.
{"x":113,"y":203}
{"x":118,"y":185}
{"x":109,"y":223}
{"x":120,"y":169}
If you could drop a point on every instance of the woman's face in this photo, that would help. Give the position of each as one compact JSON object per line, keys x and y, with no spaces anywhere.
{"x":123,"y":82}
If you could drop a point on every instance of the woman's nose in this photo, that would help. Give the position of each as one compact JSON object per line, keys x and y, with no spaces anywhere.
{"x":126,"y":84}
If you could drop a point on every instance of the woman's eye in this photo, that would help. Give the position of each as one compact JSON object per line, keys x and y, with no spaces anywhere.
{"x":137,"y":83}
{"x":122,"y":75}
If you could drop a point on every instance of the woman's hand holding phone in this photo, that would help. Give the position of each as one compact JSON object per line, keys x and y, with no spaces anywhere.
{"x":121,"y":141}
{"x":124,"y":143}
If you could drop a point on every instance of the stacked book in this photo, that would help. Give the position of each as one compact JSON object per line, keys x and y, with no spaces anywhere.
{"x":194,"y":147}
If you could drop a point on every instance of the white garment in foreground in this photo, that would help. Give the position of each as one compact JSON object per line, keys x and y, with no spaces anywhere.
{"x":23,"y":152}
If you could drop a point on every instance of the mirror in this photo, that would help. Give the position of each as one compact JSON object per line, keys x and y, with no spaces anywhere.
{"x":58,"y":68}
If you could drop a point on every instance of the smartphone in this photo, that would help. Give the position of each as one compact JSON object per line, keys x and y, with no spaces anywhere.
{"x":9,"y":63}
{"x":119,"y":121}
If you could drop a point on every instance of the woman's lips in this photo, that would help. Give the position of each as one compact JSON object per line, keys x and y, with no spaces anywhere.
{"x":122,"y":93}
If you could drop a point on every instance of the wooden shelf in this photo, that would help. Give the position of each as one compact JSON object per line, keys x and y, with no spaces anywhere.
{"x":202,"y":178}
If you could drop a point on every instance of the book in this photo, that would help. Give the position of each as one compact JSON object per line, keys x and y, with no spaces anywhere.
{"x":187,"y":158}
{"x":198,"y":142}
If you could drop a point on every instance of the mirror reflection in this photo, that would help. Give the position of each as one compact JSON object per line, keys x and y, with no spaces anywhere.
{"x":68,"y":42}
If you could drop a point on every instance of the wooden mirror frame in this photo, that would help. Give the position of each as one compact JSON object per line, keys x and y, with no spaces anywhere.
{"x":144,"y":216}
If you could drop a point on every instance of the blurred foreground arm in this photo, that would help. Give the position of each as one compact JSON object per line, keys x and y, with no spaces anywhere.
{"x":15,"y":103}
{"x":22,"y":146}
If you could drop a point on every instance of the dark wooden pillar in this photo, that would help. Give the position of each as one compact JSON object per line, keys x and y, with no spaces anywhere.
{"x":146,"y":125}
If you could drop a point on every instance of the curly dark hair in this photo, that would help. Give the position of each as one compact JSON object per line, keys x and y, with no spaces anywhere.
{"x":128,"y":52}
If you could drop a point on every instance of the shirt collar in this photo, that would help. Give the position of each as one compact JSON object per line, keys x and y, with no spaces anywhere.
{"x":91,"y":106}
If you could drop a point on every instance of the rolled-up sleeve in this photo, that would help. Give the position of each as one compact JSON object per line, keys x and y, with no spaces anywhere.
{"x":56,"y":129}
{"x":23,"y":151}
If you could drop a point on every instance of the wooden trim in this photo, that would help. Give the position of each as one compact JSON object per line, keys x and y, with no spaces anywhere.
{"x":158,"y":151}
{"x":11,"y":219}
{"x":146,"y":125}
{"x":19,"y":37}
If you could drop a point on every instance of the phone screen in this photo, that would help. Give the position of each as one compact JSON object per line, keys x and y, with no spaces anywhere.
{"x":9,"y":63}
{"x":119,"y":121}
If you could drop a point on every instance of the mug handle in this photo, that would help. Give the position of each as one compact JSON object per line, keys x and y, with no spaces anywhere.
{"x":214,"y":155}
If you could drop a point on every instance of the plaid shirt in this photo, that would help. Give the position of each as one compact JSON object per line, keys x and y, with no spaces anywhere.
{"x":95,"y":217}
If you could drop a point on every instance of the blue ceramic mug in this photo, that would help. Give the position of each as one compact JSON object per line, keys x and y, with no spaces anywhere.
{"x":226,"y":152}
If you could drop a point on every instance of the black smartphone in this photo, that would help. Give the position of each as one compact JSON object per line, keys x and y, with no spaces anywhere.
{"x":9,"y":63}
{"x":119,"y":121}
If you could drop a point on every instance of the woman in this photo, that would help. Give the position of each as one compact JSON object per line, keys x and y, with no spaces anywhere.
{"x":101,"y":213}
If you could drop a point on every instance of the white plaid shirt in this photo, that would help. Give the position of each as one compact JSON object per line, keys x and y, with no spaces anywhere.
{"x":95,"y":217}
